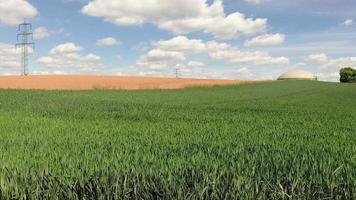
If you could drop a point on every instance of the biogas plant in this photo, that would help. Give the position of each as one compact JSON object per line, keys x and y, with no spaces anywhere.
{"x":298,"y":75}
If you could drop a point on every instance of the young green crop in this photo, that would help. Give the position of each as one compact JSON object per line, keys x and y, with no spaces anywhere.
{"x":278,"y":140}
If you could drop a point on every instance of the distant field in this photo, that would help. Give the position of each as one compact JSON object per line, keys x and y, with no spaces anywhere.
{"x":277,"y":140}
{"x":64,"y":82}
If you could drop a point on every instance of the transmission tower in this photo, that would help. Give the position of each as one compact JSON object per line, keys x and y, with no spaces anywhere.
{"x":177,"y":70}
{"x":25,"y":38}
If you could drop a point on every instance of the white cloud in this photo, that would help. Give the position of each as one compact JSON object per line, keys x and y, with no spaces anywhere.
{"x":9,"y":56}
{"x":91,"y":58}
{"x":182,"y":44}
{"x":108,"y":42}
{"x":40,"y":33}
{"x":177,"y":16}
{"x":195,"y":64}
{"x":46,"y":60}
{"x":330,"y":70}
{"x":49,"y":72}
{"x":156,"y":62}
{"x":142,"y":46}
{"x":67,"y":56}
{"x":319,"y":58}
{"x":194,"y":69}
{"x":335,"y":76}
{"x":158,"y":67}
{"x":266,"y":40}
{"x":334,"y":65}
{"x":348,"y":22}
{"x":330,"y":67}
{"x":66,"y":48}
{"x":300,"y":65}
{"x":167,"y":55}
{"x":258,"y":2}
{"x":230,"y":54}
{"x":243,"y":74}
{"x":12,"y":12}
{"x":162,"y":55}
{"x":219,"y":51}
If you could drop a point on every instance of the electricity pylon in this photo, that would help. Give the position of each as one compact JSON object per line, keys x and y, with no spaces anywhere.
{"x":177,"y":69}
{"x":25,"y":38}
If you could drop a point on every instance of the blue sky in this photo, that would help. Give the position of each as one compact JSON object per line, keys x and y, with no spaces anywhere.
{"x":231,"y":39}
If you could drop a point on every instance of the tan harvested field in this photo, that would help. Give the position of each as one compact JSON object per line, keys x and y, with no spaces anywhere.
{"x":67,"y":82}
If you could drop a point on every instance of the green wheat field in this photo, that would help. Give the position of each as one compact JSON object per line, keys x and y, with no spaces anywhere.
{"x":274,"y":140}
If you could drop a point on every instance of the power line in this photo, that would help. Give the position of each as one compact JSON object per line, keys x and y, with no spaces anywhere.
{"x":25,"y":36}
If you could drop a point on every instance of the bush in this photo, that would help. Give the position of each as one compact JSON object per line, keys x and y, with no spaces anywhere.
{"x":348,"y":75}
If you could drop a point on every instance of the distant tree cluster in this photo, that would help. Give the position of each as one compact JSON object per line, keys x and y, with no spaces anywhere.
{"x":348,"y":75}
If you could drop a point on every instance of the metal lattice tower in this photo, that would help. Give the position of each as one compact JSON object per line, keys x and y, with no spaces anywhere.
{"x":177,"y":70}
{"x":25,"y":38}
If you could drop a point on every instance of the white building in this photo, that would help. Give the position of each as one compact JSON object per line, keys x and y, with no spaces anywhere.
{"x":297,"y":75}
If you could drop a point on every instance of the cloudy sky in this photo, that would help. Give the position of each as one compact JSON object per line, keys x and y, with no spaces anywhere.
{"x":231,"y":39}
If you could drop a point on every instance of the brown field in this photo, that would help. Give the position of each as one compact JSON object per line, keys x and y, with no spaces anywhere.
{"x":64,"y":82}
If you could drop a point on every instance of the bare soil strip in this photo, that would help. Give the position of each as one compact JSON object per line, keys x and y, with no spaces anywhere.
{"x":66,"y":82}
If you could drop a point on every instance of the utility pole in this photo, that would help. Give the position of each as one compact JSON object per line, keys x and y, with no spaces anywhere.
{"x":25,"y":38}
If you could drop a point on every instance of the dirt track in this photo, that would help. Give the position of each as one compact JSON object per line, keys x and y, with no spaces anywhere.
{"x":64,"y":82}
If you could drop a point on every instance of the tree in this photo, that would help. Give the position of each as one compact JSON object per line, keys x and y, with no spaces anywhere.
{"x":348,"y":75}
